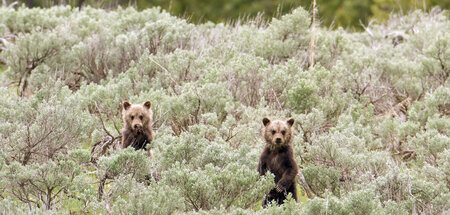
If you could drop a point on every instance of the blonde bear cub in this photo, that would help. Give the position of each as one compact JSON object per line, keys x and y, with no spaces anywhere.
{"x":137,"y":129}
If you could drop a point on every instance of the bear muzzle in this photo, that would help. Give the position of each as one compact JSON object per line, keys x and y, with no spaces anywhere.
{"x":138,"y":129}
{"x":278,"y":140}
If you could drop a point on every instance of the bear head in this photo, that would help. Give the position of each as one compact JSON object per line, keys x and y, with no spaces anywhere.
{"x":277,"y":133}
{"x":136,"y":117}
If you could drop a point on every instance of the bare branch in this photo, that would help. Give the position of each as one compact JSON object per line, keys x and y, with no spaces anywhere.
{"x":312,"y":43}
{"x":101,"y":120}
{"x":305,"y":185}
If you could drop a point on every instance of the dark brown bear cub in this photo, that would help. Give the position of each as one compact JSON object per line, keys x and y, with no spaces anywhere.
{"x":137,"y":128}
{"x":278,"y":158}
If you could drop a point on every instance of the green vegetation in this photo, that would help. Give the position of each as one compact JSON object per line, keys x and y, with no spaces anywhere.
{"x":371,"y":108}
{"x":344,"y":13}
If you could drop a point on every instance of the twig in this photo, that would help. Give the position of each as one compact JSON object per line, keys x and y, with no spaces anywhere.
{"x":11,"y":5}
{"x":167,"y":71}
{"x":366,"y":29}
{"x":4,"y":42}
{"x":103,"y":144}
{"x":313,"y":36}
{"x":276,"y":98}
{"x":100,"y":189}
{"x":405,"y":103}
{"x":157,"y":120}
{"x":305,"y":185}
{"x":115,"y":126}
{"x":101,"y":120}
{"x":305,"y":135}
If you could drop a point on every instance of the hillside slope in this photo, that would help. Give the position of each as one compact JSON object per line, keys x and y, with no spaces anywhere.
{"x":371,"y":108}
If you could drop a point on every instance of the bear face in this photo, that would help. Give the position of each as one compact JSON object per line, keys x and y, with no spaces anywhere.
{"x":277,"y":133}
{"x":137,"y":117}
{"x":137,"y":130}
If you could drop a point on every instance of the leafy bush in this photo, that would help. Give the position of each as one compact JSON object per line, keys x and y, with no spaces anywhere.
{"x":372,"y":114}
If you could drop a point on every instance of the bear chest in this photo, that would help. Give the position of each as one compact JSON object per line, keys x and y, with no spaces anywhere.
{"x":139,"y":141}
{"x":276,"y":164}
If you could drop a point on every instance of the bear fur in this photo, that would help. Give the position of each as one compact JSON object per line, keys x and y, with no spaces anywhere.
{"x":278,"y":158}
{"x":137,"y":128}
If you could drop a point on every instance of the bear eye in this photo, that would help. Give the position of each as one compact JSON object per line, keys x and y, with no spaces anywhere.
{"x":273,"y":131}
{"x":283,"y":132}
{"x":141,"y":117}
{"x":132,"y":117}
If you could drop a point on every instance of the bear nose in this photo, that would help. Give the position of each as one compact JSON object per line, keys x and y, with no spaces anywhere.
{"x":278,"y":140}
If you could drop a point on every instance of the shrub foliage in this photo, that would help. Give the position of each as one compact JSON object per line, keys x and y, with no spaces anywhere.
{"x":372,"y":112}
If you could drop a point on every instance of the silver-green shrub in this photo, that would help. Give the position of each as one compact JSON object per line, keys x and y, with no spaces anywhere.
{"x":372,"y":114}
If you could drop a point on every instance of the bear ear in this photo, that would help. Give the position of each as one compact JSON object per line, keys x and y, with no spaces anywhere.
{"x":291,"y":121}
{"x":266,"y":121}
{"x":147,"y":104}
{"x":126,"y":105}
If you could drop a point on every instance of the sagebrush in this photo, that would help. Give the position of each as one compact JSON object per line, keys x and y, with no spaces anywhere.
{"x":372,"y":114}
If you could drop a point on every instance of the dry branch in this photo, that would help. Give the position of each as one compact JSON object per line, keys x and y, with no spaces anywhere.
{"x":101,"y":147}
{"x":394,"y":111}
{"x":305,"y":185}
{"x":312,"y":43}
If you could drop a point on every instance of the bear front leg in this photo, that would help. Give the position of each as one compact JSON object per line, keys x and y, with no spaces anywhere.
{"x":126,"y":139}
{"x":149,"y":136}
{"x":288,"y":177}
{"x":262,"y":168}
{"x":262,"y":164}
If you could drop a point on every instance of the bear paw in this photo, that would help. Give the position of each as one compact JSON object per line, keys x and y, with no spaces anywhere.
{"x":279,"y":188}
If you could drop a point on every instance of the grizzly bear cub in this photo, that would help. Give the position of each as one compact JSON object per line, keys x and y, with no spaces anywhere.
{"x":137,"y":128}
{"x":278,"y":158}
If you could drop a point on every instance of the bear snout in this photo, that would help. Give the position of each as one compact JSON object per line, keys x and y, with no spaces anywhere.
{"x":138,"y":129}
{"x":278,"y":140}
